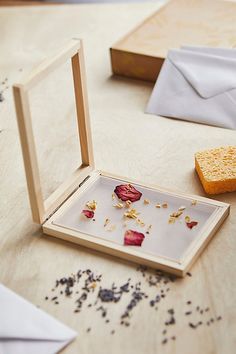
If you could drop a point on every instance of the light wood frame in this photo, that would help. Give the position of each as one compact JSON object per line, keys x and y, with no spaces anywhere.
{"x":41,"y":209}
{"x":45,"y":212}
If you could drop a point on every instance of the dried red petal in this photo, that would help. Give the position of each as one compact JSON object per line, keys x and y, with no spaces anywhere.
{"x":133,"y":238}
{"x":191,"y":224}
{"x":127,"y":192}
{"x":88,"y":213}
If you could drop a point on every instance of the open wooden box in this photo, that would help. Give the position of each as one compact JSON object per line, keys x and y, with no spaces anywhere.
{"x":169,"y":246}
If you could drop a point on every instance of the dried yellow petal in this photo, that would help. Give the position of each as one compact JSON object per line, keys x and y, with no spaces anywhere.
{"x":93,"y":285}
{"x":92,"y":205}
{"x":187,"y":218}
{"x":171,"y":220}
{"x":158,"y":206}
{"x":164,"y":205}
{"x":176,"y":214}
{"x":127,"y":203}
{"x":182,"y":208}
{"x":132,"y":214}
{"x":193,"y":202}
{"x":111,"y":228}
{"x":146,"y":201}
{"x":118,"y":205}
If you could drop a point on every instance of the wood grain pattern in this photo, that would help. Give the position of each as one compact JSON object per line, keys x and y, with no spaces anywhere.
{"x":127,"y":142}
{"x":141,"y":52}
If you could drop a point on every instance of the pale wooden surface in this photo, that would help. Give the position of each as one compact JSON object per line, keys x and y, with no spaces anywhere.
{"x":126,"y":142}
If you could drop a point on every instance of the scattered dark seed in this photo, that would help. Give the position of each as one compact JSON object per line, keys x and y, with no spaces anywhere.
{"x":164,"y":341}
{"x":113,"y":331}
{"x":188,"y":313}
{"x":189,"y":302}
{"x":189,"y":274}
{"x":219,"y":318}
{"x":88,"y":329}
{"x":54,"y":298}
{"x":173,"y":338}
{"x":191,"y":325}
{"x":46,"y":297}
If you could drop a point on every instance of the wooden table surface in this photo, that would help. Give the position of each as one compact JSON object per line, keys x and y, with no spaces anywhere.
{"x":126,"y":142}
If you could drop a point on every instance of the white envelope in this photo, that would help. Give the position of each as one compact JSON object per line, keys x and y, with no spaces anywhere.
{"x":197,"y":84}
{"x":25,"y":329}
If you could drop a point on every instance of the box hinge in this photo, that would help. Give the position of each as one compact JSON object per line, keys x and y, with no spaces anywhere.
{"x":80,"y":185}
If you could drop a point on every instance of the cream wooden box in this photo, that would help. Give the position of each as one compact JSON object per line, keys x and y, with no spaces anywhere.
{"x":171,"y":247}
{"x":141,"y":53}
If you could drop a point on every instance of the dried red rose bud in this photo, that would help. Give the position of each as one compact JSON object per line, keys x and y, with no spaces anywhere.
{"x":191,"y":224}
{"x":127,"y":192}
{"x":88,"y":213}
{"x":133,"y":238}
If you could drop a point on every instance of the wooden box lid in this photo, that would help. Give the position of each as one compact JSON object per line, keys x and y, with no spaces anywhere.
{"x":141,"y":52}
{"x":42,"y":209}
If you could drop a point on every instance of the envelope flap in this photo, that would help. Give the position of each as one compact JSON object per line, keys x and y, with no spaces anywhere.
{"x":22,"y":320}
{"x":208,"y":73}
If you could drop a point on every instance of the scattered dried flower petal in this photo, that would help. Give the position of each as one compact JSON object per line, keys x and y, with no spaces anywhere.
{"x":111,"y":228}
{"x":176,"y":214}
{"x":193,"y":202}
{"x":164,"y":205}
{"x":182,"y":208}
{"x":106,"y":222}
{"x":127,"y":203}
{"x":133,"y":238}
{"x":92,"y":205}
{"x":132,"y":214}
{"x":88,"y":213}
{"x":93,"y":285}
{"x":158,"y":206}
{"x":171,"y":220}
{"x":146,"y":201}
{"x":127,"y":192}
{"x":113,"y":196}
{"x":187,"y":218}
{"x":118,"y":205}
{"x":191,"y":224}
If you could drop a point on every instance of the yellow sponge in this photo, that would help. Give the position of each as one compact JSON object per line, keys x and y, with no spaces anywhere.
{"x":216,"y":169}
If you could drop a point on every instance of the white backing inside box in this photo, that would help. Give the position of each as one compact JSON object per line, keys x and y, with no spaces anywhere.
{"x":164,"y":239}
